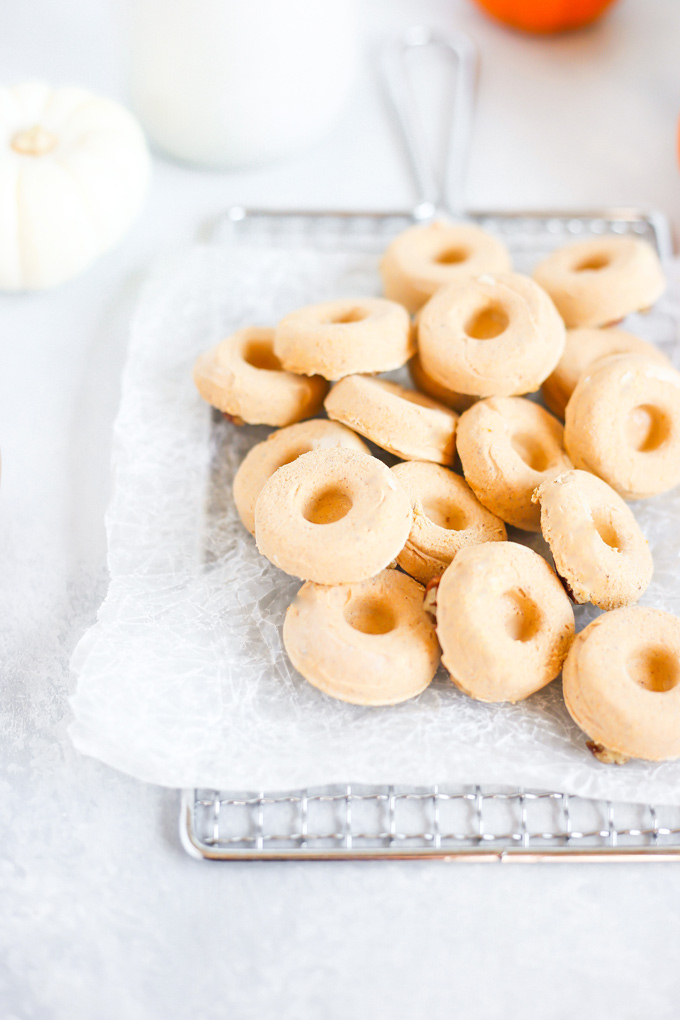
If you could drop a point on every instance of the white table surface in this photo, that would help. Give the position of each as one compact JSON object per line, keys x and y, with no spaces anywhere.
{"x":102,"y":915}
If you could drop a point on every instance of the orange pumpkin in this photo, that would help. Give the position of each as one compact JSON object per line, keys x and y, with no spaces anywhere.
{"x":545,"y":15}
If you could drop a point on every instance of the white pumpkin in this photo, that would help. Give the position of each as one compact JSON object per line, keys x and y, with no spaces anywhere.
{"x":74,"y":168}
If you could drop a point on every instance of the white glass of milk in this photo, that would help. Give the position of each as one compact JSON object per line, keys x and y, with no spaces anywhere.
{"x":228,"y":83}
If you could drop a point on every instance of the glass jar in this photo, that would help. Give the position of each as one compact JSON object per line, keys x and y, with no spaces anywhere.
{"x":227,"y":83}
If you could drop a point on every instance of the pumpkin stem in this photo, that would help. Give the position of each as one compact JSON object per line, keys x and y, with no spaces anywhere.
{"x":36,"y":141}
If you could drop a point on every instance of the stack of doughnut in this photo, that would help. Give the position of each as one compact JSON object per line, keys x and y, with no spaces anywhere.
{"x":407,"y":564}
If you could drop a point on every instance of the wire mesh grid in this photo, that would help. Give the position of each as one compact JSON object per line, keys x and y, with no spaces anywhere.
{"x":440,"y":821}
{"x":527,"y":234}
{"x":456,"y":823}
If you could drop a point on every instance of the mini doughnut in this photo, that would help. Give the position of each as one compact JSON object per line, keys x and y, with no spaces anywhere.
{"x":338,"y":338}
{"x":242,"y":377}
{"x":600,"y":281}
{"x":490,"y":336}
{"x":424,"y":258}
{"x":442,"y":394}
{"x":446,"y":516}
{"x":583,"y":349}
{"x":283,"y":447}
{"x":369,"y":643}
{"x":504,"y":621}
{"x":399,"y":420}
{"x":597,"y":545}
{"x":332,"y":516}
{"x":508,"y":446}
{"x":623,"y":424}
{"x":621,"y":684}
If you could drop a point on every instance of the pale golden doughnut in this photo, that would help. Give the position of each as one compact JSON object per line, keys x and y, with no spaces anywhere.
{"x":621,"y":684}
{"x":283,"y":447}
{"x":458,"y":402}
{"x":446,"y":516}
{"x":424,"y":258}
{"x":583,"y":349}
{"x":399,"y":420}
{"x":596,"y":543}
{"x":338,"y":338}
{"x":489,"y":335}
{"x":601,"y":280}
{"x":504,"y":621}
{"x":332,"y":516}
{"x":508,"y":446}
{"x":623,"y":424}
{"x":369,"y":643}
{"x":242,"y":377}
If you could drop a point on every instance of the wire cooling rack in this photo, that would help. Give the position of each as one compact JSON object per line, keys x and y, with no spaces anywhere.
{"x":447,"y":822}
{"x":477,"y":823}
{"x":528,"y":235}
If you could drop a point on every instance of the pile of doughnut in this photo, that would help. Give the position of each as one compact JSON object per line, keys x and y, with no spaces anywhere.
{"x":406,"y":565}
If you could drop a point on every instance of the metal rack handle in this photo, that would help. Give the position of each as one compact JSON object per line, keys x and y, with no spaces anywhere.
{"x":441,"y":191}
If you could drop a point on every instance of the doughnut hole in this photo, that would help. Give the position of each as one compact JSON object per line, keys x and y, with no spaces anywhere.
{"x":521,"y":616}
{"x":451,"y":256}
{"x":656,"y":669}
{"x":487,"y":323}
{"x":530,"y":449}
{"x":370,"y":615}
{"x":444,"y":513}
{"x":593,"y":262}
{"x":327,"y":506}
{"x":260,"y":354}
{"x":606,"y":530}
{"x":351,"y":315}
{"x":647,"y":428}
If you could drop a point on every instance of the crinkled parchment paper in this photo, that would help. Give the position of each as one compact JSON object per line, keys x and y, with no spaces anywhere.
{"x":183,"y":680}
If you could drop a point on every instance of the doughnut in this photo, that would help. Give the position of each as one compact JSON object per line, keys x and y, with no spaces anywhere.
{"x":623,"y":424}
{"x":332,"y":516}
{"x":399,"y":420}
{"x":621,"y":684}
{"x":583,"y":349}
{"x":490,"y":336}
{"x":504,"y":621}
{"x":242,"y":377}
{"x":338,"y":338}
{"x":442,"y":394}
{"x":600,"y":281}
{"x":369,"y":643}
{"x":508,"y":446}
{"x":424,"y":258}
{"x":446,"y":516}
{"x":283,"y":447}
{"x":597,"y":545}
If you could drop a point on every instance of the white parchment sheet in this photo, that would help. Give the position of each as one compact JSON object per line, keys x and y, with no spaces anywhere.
{"x":183,"y":680}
